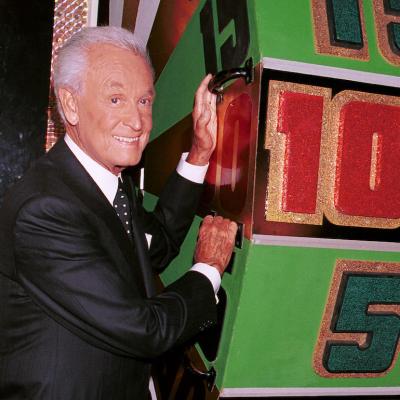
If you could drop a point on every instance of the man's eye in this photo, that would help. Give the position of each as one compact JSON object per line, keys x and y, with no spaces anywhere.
{"x":115,"y":100}
{"x":145,"y":101}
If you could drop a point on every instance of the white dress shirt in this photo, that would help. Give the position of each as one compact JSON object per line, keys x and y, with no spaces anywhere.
{"x":108,"y":184}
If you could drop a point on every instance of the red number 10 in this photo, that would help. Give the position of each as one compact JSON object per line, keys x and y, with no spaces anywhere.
{"x":336,"y":157}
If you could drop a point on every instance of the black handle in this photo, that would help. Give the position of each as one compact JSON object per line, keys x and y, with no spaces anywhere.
{"x":208,"y":376}
{"x":216,"y":85}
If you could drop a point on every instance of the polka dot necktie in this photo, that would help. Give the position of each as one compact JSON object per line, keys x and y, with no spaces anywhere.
{"x":121,"y":206}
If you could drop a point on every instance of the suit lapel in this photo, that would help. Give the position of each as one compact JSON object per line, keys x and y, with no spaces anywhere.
{"x":84,"y":188}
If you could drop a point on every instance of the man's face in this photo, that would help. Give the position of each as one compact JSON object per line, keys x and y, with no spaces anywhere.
{"x":114,"y":110}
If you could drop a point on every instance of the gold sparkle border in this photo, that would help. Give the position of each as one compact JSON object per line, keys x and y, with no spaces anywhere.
{"x":325,"y":335}
{"x":329,"y":151}
{"x":276,"y":143}
{"x":70,"y":16}
{"x":322,"y":41}
{"x":381,"y":23}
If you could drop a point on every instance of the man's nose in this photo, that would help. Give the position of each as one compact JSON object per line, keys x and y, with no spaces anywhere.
{"x":132,"y":118}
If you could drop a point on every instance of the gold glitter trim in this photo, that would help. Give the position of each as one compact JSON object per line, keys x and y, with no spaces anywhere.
{"x":322,"y":41}
{"x":329,"y":161}
{"x":276,"y":143}
{"x":381,"y":24}
{"x":343,"y":267}
{"x":70,"y":16}
{"x":375,"y":152}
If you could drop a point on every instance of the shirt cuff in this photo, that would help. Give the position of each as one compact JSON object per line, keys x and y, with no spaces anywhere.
{"x":210,"y":272}
{"x":194,"y":173}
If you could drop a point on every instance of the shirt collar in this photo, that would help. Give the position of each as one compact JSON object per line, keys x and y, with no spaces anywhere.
{"x":105,"y":180}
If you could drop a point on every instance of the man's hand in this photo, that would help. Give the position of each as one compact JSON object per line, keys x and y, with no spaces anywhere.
{"x":204,"y":125}
{"x":215,"y":242}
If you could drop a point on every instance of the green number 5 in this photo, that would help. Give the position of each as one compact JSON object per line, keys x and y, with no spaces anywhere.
{"x":367,"y":304}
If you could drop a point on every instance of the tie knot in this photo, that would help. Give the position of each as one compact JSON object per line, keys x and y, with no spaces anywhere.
{"x":121,"y":186}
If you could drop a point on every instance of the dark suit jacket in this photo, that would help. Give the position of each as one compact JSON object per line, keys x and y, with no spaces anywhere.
{"x":78,"y":316}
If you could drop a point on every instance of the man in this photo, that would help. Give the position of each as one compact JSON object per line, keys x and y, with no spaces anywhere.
{"x":79,"y":316}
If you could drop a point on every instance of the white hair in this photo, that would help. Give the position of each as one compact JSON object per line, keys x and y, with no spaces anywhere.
{"x":71,"y":61}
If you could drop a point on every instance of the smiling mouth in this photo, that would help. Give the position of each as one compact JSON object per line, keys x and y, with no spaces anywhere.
{"x":124,"y":139}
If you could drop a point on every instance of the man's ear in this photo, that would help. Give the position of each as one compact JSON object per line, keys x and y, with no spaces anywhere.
{"x":69,"y":105}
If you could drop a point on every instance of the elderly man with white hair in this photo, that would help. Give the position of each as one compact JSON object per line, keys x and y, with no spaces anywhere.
{"x":80,"y":318}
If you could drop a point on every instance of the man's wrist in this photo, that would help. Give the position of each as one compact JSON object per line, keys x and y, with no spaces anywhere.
{"x":198,"y":158}
{"x":194,"y":173}
{"x":210,"y":272}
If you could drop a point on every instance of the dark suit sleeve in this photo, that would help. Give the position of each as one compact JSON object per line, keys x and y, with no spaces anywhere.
{"x":74,"y":280}
{"x":171,"y":219}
